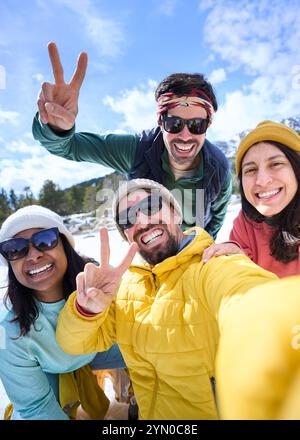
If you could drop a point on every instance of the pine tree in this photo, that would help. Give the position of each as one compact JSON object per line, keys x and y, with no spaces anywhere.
{"x":5,"y":210}
{"x":75,"y":198}
{"x":89,"y":202}
{"x":52,"y":197}
{"x":13,"y":200}
{"x":27,"y":198}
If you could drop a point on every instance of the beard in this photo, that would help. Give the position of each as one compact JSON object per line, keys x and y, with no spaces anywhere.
{"x":166,"y":250}
{"x":177,"y":158}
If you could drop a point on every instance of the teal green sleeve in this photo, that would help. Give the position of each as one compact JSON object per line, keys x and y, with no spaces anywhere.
{"x":116,"y":151}
{"x":219,"y":208}
{"x":27,"y":385}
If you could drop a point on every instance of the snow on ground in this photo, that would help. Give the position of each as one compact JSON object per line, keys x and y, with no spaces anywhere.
{"x":231,"y":214}
{"x":88,"y":244}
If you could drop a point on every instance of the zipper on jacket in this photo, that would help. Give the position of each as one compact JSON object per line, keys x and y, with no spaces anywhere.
{"x":214,"y":390}
{"x":155,"y":281}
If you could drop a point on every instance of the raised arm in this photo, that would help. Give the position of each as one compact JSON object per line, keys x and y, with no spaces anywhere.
{"x":97,"y":285}
{"x":58,"y":101}
{"x":258,"y":363}
{"x":87,"y":322}
{"x":54,"y":124}
{"x":223,"y":280}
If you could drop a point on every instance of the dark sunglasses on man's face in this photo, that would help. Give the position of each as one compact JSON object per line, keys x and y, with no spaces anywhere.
{"x":148,"y":206}
{"x":175,"y":124}
{"x":16,"y":248}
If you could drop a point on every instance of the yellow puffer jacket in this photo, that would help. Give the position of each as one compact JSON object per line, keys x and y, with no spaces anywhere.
{"x":166,"y":321}
{"x":259,"y":365}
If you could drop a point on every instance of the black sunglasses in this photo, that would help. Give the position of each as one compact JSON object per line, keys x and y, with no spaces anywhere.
{"x":16,"y":248}
{"x":175,"y":124}
{"x":148,"y":206}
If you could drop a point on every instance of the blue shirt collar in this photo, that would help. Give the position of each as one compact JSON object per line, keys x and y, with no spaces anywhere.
{"x":187,"y":239}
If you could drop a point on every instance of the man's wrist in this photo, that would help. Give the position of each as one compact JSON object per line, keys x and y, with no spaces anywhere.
{"x":83,"y":311}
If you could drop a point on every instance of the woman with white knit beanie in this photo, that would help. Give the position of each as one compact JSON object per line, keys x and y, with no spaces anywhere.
{"x":37,"y":375}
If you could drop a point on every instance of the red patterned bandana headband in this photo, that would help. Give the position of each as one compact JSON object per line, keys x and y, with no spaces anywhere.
{"x":196,"y":97}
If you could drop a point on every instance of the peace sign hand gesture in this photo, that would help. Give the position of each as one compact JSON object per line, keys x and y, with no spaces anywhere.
{"x":58,"y":102}
{"x":97,"y":285}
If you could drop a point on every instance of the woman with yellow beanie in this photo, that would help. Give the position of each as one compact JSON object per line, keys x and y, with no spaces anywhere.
{"x":267,"y":228}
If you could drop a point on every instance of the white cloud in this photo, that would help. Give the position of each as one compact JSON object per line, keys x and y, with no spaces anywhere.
{"x":43,"y":6}
{"x":2,"y":78}
{"x":238,"y":113}
{"x":136,"y":105}
{"x":9,"y":117}
{"x":296,"y":77}
{"x":105,"y":33}
{"x":117,"y":131}
{"x":38,"y":77}
{"x":28,"y":135}
{"x":262,"y":42}
{"x":217,"y":76}
{"x":167,"y":7}
{"x":206,"y":4}
{"x":19,"y":146}
{"x":20,"y":171}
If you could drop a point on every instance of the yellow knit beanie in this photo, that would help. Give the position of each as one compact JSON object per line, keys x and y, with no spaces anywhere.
{"x":267,"y":131}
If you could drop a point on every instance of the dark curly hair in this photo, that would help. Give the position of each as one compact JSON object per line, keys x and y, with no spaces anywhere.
{"x":21,"y":298}
{"x":285,"y":240}
{"x":181,"y":83}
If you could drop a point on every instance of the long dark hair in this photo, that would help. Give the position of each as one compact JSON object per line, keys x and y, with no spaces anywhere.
{"x":22,"y":299}
{"x":285,"y":240}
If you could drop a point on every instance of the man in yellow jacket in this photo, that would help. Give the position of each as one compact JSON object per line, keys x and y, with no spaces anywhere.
{"x":167,"y":313}
{"x":258,"y":366}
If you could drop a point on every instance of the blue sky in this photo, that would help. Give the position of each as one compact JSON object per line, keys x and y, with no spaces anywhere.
{"x":250,"y":50}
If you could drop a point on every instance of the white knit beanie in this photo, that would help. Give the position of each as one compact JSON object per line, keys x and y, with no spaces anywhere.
{"x":33,"y":216}
{"x":135,"y":184}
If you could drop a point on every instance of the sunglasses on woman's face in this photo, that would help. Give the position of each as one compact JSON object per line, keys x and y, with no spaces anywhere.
{"x":175,"y":124}
{"x":148,"y":206}
{"x":16,"y":248}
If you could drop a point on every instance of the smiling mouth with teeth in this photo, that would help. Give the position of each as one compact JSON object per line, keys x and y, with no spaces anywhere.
{"x":149,"y":238}
{"x":264,"y":195}
{"x":35,"y":272}
{"x":184,"y":147}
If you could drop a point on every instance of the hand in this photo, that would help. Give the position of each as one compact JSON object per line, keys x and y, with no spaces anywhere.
{"x":58,"y":102}
{"x":216,"y":250}
{"x":97,"y":285}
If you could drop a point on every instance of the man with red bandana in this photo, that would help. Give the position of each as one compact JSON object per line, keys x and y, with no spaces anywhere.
{"x":176,"y":153}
